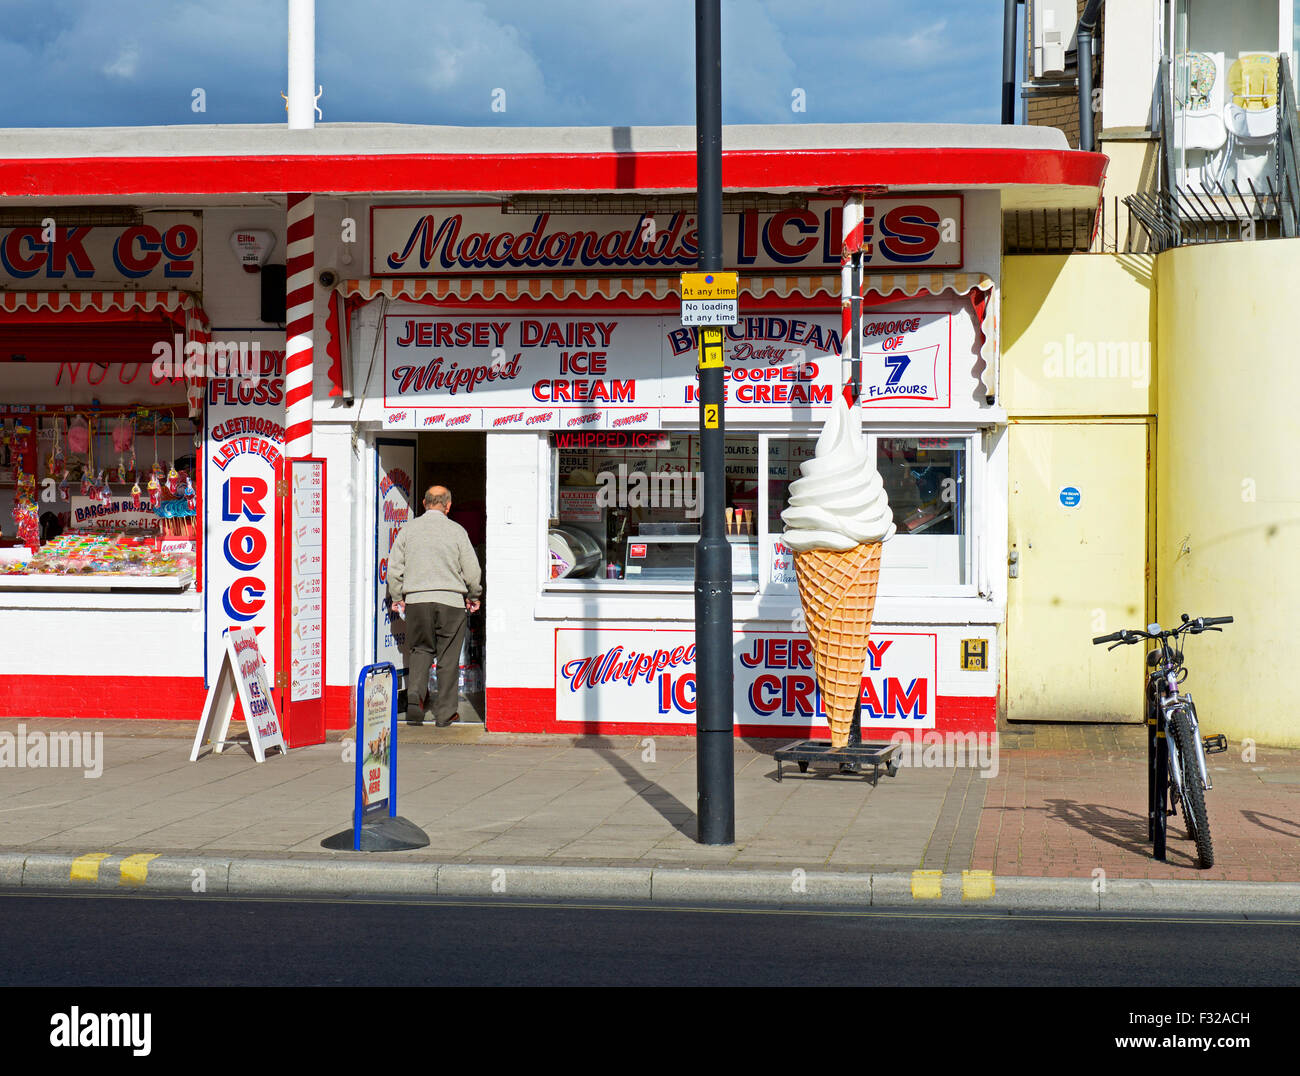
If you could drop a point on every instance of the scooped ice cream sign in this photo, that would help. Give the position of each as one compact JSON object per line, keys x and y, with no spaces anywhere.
{"x":648,"y":677}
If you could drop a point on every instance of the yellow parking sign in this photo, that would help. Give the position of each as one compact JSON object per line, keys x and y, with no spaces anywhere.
{"x":711,"y":349}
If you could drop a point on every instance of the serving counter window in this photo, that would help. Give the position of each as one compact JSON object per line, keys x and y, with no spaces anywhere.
{"x":926,"y":479}
{"x":626,"y":508}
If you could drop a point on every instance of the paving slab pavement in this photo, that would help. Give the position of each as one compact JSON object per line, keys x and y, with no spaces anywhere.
{"x":1063,"y":813}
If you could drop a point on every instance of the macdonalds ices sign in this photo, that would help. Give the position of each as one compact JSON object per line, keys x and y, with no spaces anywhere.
{"x":647,"y":677}
{"x":451,"y":370}
{"x":901,"y":232}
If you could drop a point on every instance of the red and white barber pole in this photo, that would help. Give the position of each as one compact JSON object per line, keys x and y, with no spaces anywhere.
{"x":300,"y":271}
{"x":852,"y":235}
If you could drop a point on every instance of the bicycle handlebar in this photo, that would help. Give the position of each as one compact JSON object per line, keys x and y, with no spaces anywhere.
{"x":1133,"y":635}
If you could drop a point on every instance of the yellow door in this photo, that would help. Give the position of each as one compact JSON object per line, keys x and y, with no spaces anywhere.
{"x":1077,"y":564}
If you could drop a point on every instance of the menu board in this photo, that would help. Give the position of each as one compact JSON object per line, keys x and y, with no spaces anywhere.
{"x":307,"y":578}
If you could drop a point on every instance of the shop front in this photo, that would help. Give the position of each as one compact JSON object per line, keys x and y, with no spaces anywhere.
{"x":498,"y":313}
{"x":139,"y":450}
{"x":577,"y":383}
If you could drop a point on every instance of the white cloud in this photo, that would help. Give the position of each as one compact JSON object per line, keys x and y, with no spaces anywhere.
{"x":125,"y":64}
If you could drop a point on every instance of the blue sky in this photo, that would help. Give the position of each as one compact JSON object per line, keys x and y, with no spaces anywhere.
{"x":70,"y":63}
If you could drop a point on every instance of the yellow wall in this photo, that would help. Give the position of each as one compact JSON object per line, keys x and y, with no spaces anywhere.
{"x":1078,"y":384}
{"x":1078,"y":335}
{"x":1228,"y":476}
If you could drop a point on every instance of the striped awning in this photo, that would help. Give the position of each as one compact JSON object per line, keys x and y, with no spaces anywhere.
{"x":181,"y":306}
{"x":102,"y":302}
{"x":453,"y":289}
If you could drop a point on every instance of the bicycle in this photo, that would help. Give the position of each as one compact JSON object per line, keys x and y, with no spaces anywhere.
{"x":1180,"y":775}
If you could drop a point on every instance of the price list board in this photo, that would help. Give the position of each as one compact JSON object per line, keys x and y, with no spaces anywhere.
{"x":305,"y":630}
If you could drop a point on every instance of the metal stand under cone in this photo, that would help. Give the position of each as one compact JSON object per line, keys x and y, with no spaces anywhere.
{"x":852,"y":758}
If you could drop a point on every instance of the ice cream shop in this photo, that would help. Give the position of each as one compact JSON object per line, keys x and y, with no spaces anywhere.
{"x":499,"y":312}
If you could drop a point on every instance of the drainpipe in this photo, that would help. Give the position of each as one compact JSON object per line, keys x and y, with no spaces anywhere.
{"x":1087,"y":24}
{"x":1009,"y":61}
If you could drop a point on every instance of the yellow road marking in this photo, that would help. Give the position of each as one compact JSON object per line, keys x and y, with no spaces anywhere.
{"x":135,"y":869}
{"x":927,"y":885}
{"x":86,"y":868}
{"x":976,"y":885}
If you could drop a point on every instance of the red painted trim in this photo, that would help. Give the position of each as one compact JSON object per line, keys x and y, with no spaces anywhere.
{"x":526,"y":709}
{"x":338,"y":707}
{"x":808,"y":169}
{"x":162,"y":698}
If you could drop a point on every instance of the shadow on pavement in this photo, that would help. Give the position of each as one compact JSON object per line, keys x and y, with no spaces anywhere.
{"x":1123,"y":829}
{"x":1256,"y":816}
{"x":673,"y":810}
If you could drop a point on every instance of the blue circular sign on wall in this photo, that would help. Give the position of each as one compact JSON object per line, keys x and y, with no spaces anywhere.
{"x":1070,"y":496}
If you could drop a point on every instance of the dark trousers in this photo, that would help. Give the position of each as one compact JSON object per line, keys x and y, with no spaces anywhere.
{"x":434,"y":632}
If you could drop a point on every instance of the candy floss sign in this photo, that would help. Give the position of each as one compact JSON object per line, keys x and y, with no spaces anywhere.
{"x":648,"y":677}
{"x":242,"y":450}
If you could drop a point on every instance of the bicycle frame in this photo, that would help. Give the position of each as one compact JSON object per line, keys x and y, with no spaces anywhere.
{"x":1165,"y":761}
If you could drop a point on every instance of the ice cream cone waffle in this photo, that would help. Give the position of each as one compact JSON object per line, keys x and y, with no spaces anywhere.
{"x":837,"y":590}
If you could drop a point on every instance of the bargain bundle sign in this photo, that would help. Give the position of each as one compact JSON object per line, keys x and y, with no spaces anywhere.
{"x":647,"y":677}
{"x":900,"y":233}
{"x":242,"y":450}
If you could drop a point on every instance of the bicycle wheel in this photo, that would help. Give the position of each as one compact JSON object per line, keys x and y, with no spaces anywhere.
{"x":1192,"y":792}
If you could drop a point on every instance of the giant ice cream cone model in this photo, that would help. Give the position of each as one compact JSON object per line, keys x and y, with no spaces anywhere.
{"x":837,"y":519}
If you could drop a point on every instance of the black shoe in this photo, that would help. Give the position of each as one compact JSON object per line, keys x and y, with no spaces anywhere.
{"x":415,"y":715}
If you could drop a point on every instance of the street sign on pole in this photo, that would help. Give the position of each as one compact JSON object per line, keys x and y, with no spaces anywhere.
{"x":711,"y":349}
{"x":709,"y":298}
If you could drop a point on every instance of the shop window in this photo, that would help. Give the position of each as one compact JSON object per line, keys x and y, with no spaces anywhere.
{"x":926,"y":480}
{"x":104,"y":496}
{"x":627,"y":508}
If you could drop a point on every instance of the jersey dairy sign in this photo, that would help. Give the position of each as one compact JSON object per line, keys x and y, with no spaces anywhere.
{"x":900,"y":232}
{"x":160,"y":252}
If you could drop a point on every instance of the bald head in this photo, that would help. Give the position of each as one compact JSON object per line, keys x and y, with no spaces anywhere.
{"x":438,"y":497}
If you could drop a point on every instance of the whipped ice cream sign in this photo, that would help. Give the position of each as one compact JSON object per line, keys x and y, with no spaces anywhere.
{"x":648,"y":678}
{"x":906,"y":359}
{"x":449,"y":240}
{"x":518,"y":372}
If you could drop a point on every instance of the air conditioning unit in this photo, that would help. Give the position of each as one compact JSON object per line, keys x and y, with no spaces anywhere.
{"x":1055,"y":24}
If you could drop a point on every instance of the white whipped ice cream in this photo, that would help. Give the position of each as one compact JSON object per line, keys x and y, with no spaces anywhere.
{"x":839,"y":502}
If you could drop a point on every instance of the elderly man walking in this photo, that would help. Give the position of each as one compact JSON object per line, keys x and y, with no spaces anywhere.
{"x":433,"y":572}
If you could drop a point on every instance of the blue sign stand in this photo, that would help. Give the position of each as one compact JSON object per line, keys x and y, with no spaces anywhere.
{"x":376,"y":826}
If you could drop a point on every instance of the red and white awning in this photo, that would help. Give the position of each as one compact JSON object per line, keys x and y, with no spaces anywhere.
{"x":36,"y":308}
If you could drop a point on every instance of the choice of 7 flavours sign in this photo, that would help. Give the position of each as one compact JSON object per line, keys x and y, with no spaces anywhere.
{"x":901,"y":232}
{"x":648,"y":678}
